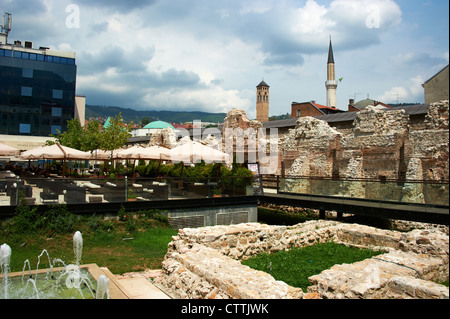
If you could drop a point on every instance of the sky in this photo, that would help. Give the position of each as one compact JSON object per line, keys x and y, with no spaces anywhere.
{"x":209,"y":55}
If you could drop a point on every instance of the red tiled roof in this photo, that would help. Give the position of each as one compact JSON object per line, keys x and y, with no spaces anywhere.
{"x":320,"y":106}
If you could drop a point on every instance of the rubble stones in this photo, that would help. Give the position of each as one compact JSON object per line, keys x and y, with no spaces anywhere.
{"x":205,"y":262}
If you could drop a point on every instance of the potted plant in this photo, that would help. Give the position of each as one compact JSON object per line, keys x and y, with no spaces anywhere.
{"x":217,"y":192}
{"x":131,"y":196}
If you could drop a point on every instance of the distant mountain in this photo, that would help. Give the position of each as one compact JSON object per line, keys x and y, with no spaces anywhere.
{"x":130,"y":115}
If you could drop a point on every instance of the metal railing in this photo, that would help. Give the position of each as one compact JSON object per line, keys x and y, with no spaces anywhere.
{"x":53,"y":190}
{"x":57,"y":190}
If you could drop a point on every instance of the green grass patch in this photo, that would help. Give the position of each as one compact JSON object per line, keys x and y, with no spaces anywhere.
{"x":295,"y":266}
{"x":133,"y":242}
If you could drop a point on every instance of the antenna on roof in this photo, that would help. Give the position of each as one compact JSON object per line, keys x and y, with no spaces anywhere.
{"x":5,"y":27}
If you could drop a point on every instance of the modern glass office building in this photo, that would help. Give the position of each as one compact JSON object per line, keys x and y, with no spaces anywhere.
{"x":37,"y":90}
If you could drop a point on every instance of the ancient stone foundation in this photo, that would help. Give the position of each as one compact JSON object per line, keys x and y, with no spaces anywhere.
{"x":205,"y":262}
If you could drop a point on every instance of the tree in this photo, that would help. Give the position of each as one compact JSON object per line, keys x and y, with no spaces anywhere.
{"x":145,"y":120}
{"x":92,"y":136}
{"x":72,"y":137}
{"x":115,"y":134}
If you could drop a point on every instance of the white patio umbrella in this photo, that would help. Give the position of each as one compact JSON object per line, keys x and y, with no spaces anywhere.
{"x":195,"y":152}
{"x":144,"y":153}
{"x":6,"y":150}
{"x":55,"y":151}
{"x":103,"y":155}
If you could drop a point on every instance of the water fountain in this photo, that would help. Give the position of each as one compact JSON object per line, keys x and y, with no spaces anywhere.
{"x":72,"y":281}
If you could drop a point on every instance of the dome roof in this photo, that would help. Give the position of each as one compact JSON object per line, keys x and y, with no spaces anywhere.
{"x":365,"y":103}
{"x":158,"y":125}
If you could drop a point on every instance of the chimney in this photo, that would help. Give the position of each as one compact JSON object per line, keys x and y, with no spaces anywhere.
{"x":351,"y":103}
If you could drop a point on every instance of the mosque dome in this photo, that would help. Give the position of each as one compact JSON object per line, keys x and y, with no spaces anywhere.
{"x":365,"y":103}
{"x":158,"y":125}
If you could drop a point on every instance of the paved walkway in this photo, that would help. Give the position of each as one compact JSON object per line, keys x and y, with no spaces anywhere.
{"x":139,"y":286}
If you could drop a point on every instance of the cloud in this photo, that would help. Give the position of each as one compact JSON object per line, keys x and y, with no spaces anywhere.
{"x":351,"y":23}
{"x":411,"y":92}
{"x":209,"y":99}
{"x":116,"y":57}
{"x":210,"y":55}
{"x":116,"y":5}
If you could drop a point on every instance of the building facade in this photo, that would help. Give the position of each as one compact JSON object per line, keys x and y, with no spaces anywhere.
{"x":262,"y":102}
{"x":311,"y":109}
{"x":437,"y":87}
{"x":37,"y":90}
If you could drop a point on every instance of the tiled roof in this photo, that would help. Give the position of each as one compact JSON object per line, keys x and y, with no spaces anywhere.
{"x":345,"y":116}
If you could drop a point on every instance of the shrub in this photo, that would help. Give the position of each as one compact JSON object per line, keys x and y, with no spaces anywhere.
{"x":121,"y":213}
{"x":25,"y":219}
{"x":93,"y":222}
{"x":59,"y":220}
{"x":238,"y":176}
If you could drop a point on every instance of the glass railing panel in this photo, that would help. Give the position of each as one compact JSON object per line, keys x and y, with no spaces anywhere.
{"x":417,"y":192}
{"x":54,"y":190}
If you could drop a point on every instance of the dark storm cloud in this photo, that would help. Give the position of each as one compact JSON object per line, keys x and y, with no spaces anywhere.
{"x":22,"y":7}
{"x":291,"y":59}
{"x":114,"y":56}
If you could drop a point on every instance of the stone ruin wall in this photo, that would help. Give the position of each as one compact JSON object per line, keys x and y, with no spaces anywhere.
{"x":204,"y":263}
{"x":380,"y":146}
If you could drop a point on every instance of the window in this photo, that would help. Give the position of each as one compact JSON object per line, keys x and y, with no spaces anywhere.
{"x":24,"y":128}
{"x":57,"y":94}
{"x":299,"y":113}
{"x":8,"y":53}
{"x":27,"y":73}
{"x":17,"y":54}
{"x":39,"y":57}
{"x":56,"y":129}
{"x":27,"y":91}
{"x":56,"y":111}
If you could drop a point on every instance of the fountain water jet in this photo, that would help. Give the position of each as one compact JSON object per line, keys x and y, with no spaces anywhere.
{"x":102,"y":287}
{"x":75,"y":277}
{"x":5,"y":257}
{"x":77,"y":246}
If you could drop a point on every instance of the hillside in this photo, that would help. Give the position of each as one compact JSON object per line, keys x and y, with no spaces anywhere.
{"x":129,"y":115}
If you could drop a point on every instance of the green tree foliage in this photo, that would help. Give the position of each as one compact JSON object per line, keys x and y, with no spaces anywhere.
{"x":92,"y":140}
{"x":93,"y":136}
{"x":115,"y":135}
{"x":145,"y":120}
{"x":74,"y":135}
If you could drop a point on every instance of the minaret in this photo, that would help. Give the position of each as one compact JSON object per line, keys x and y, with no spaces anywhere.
{"x":331,"y":83}
{"x":262,"y":102}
